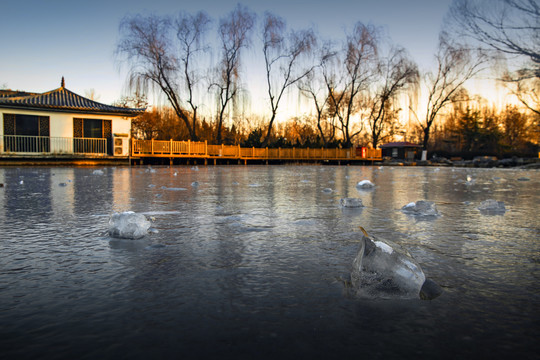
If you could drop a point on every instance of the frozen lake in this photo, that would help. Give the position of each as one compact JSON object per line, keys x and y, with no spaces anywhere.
{"x":248,"y":260}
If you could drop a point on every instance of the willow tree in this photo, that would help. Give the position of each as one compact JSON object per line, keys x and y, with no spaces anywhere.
{"x":161,"y":54}
{"x":234,"y":33}
{"x":283,"y":54}
{"x":314,"y":87}
{"x":396,"y":73}
{"x":511,"y":28}
{"x":456,"y":64}
{"x":357,"y":60}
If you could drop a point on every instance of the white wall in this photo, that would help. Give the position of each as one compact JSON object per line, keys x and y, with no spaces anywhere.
{"x":61,"y":125}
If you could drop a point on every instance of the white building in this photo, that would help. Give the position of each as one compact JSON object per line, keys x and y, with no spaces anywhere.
{"x":62,"y":124}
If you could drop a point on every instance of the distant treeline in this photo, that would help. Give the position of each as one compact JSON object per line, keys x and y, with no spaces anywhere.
{"x":467,"y":129}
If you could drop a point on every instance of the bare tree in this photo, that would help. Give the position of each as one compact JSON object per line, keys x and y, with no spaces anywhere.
{"x":190,"y":31}
{"x":91,"y":94}
{"x":396,"y":73}
{"x":455,"y":65}
{"x":359,"y":53}
{"x":314,"y":86}
{"x":234,"y":32}
{"x":283,"y":55}
{"x":525,"y":85}
{"x":510,"y":27}
{"x":147,"y":46}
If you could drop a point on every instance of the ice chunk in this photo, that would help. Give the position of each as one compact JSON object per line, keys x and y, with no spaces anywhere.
{"x":98,"y":172}
{"x":383,"y":269}
{"x":351,"y":202}
{"x":365,"y":184}
{"x":128,"y":225}
{"x":492,"y":206}
{"x":421,"y":208}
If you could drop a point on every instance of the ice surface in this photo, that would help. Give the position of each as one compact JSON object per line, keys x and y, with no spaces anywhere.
{"x":492,"y":206}
{"x":128,"y":225}
{"x":383,"y":269}
{"x":365,"y":184}
{"x":98,"y":172}
{"x":421,"y":208}
{"x":351,"y":202}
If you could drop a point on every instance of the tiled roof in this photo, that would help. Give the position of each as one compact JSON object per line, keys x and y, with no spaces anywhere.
{"x":62,"y":99}
{"x":14,"y":93}
{"x":399,"y":144}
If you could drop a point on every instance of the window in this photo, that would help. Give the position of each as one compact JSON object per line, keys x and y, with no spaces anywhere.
{"x":92,"y":128}
{"x":92,"y":136}
{"x":26,"y":133}
{"x":27,"y":125}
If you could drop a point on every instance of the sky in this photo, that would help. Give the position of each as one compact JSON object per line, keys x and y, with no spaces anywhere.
{"x":77,"y":39}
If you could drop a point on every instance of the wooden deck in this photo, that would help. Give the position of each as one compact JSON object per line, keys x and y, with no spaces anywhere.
{"x":201,"y":150}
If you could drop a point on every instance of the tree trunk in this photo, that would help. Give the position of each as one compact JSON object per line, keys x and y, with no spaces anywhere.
{"x":426,"y":138}
{"x":269,"y":131}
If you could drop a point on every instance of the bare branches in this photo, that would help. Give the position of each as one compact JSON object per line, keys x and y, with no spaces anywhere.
{"x":358,"y":63}
{"x":455,"y":65}
{"x":284,"y":52}
{"x":147,"y":46}
{"x":234,"y":31}
{"x":396,"y":73}
{"x":509,"y":26}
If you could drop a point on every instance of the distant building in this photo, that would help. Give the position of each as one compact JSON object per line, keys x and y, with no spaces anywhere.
{"x":62,"y":124}
{"x":401,"y":150}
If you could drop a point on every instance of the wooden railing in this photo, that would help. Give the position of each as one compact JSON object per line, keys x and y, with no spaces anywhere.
{"x":191,"y":149}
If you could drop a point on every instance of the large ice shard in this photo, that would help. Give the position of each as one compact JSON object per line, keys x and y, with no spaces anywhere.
{"x":492,"y":206}
{"x":351,"y":203}
{"x":365,"y":184}
{"x":421,"y":208}
{"x":128,"y":225}
{"x":383,"y":269}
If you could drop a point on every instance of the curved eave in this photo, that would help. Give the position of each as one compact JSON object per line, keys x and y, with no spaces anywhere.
{"x":125,"y":113}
